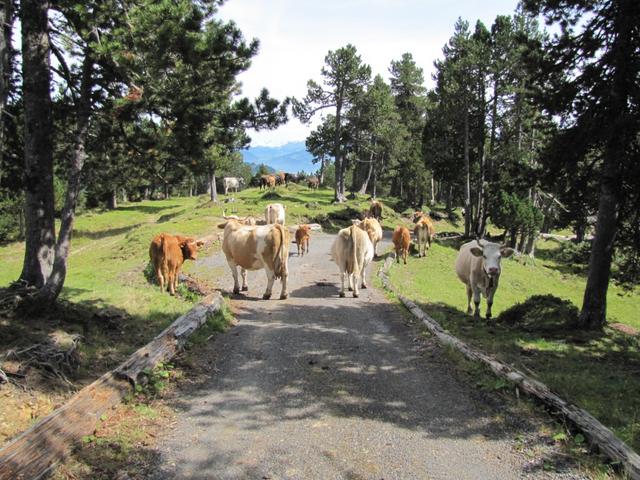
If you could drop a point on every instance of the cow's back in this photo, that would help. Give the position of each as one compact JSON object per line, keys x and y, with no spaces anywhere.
{"x":155,"y":251}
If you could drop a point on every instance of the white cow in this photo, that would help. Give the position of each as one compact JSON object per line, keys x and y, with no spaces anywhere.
{"x":373,"y":229}
{"x":478,"y":267}
{"x":234,"y":183}
{"x":352,"y":251}
{"x":274,"y":213}
{"x":254,"y":248}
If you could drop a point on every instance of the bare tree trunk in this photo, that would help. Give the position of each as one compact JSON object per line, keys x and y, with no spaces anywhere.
{"x":55,"y":282}
{"x":433,"y":192}
{"x":6,"y":25}
{"x":467,"y":167}
{"x":123,"y":195}
{"x":337,"y":149}
{"x":38,"y":144}
{"x":322,"y":169}
{"x":112,"y":203}
{"x":213,"y":192}
{"x":365,"y":184}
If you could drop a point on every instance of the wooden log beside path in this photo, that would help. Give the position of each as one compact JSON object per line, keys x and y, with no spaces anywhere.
{"x":597,"y":434}
{"x":34,"y":453}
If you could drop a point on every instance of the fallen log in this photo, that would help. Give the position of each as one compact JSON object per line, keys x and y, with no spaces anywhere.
{"x":34,"y":453}
{"x":597,"y":434}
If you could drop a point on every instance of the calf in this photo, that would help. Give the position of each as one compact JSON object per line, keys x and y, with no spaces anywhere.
{"x":352,"y":251}
{"x":373,"y":229}
{"x":274,"y":213}
{"x":401,"y":240}
{"x":424,"y":232}
{"x":302,"y":239}
{"x":168,"y":253}
{"x":478,"y":267}
{"x":255,"y":248}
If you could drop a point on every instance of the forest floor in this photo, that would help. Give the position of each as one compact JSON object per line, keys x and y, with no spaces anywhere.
{"x":110,"y":302}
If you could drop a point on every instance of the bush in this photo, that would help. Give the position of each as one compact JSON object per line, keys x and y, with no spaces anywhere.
{"x":542,"y":314}
{"x":11,"y":217}
{"x":574,"y":253}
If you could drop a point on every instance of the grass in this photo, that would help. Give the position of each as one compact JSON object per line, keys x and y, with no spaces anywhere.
{"x":598,"y":372}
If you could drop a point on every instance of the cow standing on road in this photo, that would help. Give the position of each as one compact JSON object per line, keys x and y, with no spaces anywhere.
{"x":255,"y":248}
{"x":373,"y":229}
{"x":352,"y":251}
{"x":302,"y":239}
{"x":478,"y":267}
{"x":274,"y":213}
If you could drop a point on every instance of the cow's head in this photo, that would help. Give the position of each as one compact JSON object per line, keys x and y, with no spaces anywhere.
{"x":305,"y":229}
{"x":417,"y":216}
{"x":189,"y":247}
{"x":491,"y":254}
{"x":241,"y":181}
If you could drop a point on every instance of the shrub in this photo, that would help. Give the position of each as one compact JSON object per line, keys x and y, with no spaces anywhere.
{"x":542,"y":314}
{"x":11,"y":217}
{"x":574,"y":253}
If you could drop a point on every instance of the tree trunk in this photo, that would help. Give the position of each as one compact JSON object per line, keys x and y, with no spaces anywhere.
{"x":322,"y":169}
{"x":112,"y":203}
{"x":337,"y":149}
{"x":166,"y":190}
{"x":374,"y":189}
{"x":467,"y":168}
{"x":123,"y":195}
{"x":55,"y":282}
{"x":433,"y":192}
{"x":213,"y":192}
{"x":365,"y":183}
{"x":6,"y":25}
{"x":38,"y":144}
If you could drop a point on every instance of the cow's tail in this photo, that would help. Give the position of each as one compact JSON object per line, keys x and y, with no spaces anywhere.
{"x":352,"y":255}
{"x":164,"y":264}
{"x":280,"y":260}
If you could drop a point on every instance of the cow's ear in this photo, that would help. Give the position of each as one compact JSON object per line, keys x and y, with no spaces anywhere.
{"x":199,"y":243}
{"x":506,"y":252}
{"x":222,"y":225}
{"x":355,"y":221}
{"x":284,"y":207}
{"x":476,"y":251}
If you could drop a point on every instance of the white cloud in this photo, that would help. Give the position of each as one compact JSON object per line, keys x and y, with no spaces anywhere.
{"x":295,"y":36}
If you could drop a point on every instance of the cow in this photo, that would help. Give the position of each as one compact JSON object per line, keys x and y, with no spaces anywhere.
{"x":302,"y":239}
{"x":255,"y":248}
{"x":232,"y":183}
{"x":274,"y":213}
{"x":168,"y":253}
{"x":280,"y":178}
{"x":375,"y":210}
{"x":424,"y":232}
{"x":478,"y":267}
{"x":267,"y":181}
{"x":352,"y":251}
{"x":248,"y":220}
{"x":291,"y":177}
{"x":373,"y":229}
{"x":313,"y":183}
{"x":401,"y":240}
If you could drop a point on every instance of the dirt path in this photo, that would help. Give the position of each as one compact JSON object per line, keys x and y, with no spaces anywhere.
{"x":318,"y":387}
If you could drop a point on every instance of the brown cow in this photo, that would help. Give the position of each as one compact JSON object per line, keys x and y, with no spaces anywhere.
{"x":280,"y":178}
{"x":168,"y":253}
{"x":375,"y":210}
{"x":302,"y":239}
{"x":401,"y":240}
{"x":313,"y":182}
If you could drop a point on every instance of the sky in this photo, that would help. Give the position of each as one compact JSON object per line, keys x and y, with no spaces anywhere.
{"x":296,"y":35}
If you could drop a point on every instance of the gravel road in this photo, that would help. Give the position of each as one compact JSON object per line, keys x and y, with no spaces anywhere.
{"x":321,"y":387}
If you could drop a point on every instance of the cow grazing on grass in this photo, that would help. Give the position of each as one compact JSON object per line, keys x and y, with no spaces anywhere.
{"x":168,"y":253}
{"x":478,"y":267}
{"x":401,"y":240}
{"x":424,"y":232}
{"x":232,"y":183}
{"x":373,"y":229}
{"x":255,"y":248}
{"x":302,"y":239}
{"x":274,"y":213}
{"x":375,"y":210}
{"x":352,"y":251}
{"x":313,"y":183}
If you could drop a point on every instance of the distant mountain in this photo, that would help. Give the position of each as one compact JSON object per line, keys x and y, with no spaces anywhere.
{"x":256,"y":166}
{"x":291,"y":157}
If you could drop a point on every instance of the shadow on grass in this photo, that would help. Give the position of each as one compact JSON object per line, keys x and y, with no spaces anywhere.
{"x":100,"y":234}
{"x":146,"y":208}
{"x":599,"y":371}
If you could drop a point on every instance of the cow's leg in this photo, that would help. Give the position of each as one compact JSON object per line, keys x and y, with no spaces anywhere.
{"x":234,"y":272}
{"x":342,"y":274}
{"x":270,"y":279}
{"x":476,"y":302}
{"x":245,"y":285}
{"x":469,"y":295}
{"x":283,"y":279}
{"x":405,"y":253}
{"x":490,"y":293}
{"x":160,"y":278}
{"x":172,"y":281}
{"x":356,"y":281}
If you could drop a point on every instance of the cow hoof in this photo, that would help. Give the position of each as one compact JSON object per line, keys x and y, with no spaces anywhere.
{"x":364,"y":286}
{"x":350,"y":289}
{"x":245,"y":289}
{"x":266,"y":296}
{"x":284,"y":296}
{"x":342,"y":295}
{"x":355,"y":295}
{"x":236,"y":290}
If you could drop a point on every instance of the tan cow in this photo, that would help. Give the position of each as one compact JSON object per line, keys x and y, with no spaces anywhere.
{"x":424,"y":232}
{"x":248,"y":220}
{"x":401,"y":241}
{"x":255,"y":248}
{"x":274,"y":213}
{"x":478,"y":267}
{"x":302,"y":239}
{"x":168,"y":253}
{"x":373,"y":229}
{"x":313,"y":183}
{"x":375,"y":210}
{"x":280,"y":178}
{"x":352,"y":251}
